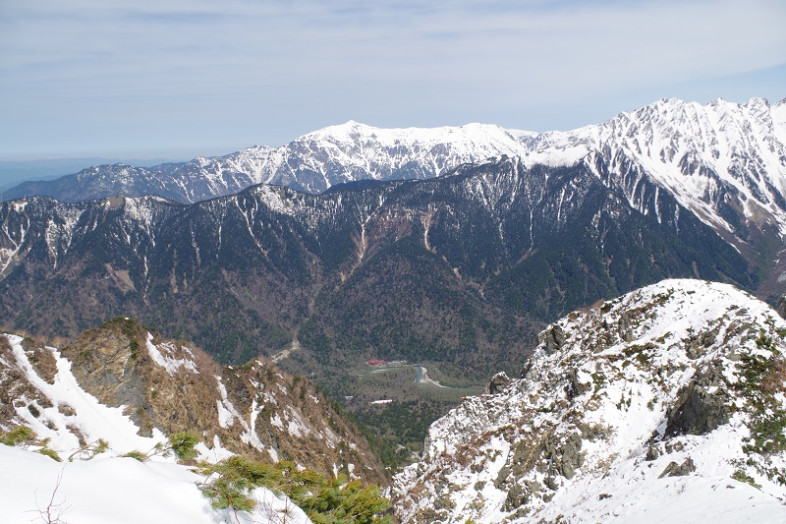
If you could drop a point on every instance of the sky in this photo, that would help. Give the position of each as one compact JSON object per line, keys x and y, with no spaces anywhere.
{"x":180,"y":78}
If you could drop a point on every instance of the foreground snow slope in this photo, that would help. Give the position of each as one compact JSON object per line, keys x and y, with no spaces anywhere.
{"x":120,"y":391}
{"x":667,"y":403}
{"x":108,"y":490}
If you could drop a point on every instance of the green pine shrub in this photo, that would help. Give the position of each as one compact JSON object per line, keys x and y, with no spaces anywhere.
{"x":135,"y":454}
{"x":183,"y":445}
{"x":16,"y":436}
{"x":325,"y":500}
{"x":50,"y":453}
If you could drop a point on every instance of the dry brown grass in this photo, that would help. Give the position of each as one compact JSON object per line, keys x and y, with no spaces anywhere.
{"x":775,"y":380}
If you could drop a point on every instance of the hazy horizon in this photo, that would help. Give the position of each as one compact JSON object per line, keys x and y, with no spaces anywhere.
{"x":182,"y":79}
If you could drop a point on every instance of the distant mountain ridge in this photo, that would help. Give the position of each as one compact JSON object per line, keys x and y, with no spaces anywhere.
{"x":720,"y":134}
{"x":312,"y":163}
{"x":723,"y":161}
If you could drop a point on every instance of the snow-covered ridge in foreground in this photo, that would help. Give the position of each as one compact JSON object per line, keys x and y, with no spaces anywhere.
{"x":94,"y":482}
{"x":108,"y":490}
{"x":666,"y":404}
{"x":118,"y":393}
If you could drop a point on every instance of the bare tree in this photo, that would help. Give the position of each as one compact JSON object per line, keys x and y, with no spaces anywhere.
{"x":53,"y":512}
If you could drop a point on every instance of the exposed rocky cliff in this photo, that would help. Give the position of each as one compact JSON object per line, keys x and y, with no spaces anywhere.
{"x":128,"y":386}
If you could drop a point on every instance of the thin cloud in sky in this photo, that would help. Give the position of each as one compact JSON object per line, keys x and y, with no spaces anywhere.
{"x":88,"y":75}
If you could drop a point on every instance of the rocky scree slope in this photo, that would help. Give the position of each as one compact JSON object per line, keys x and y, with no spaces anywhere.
{"x":127,"y":386}
{"x":668,"y":403}
{"x":454,"y":269}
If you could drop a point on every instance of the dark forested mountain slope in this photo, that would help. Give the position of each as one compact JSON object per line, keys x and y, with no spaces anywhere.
{"x":723,"y":162}
{"x":456,"y":269}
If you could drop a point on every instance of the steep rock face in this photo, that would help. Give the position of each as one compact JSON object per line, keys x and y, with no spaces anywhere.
{"x":666,"y":403}
{"x":724,"y":162}
{"x":130,"y":387}
{"x":454,"y":269}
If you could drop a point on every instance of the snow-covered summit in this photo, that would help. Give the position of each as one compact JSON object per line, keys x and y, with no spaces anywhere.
{"x":664,"y":404}
{"x":710,"y":157}
{"x":469,"y":135}
{"x":723,"y":161}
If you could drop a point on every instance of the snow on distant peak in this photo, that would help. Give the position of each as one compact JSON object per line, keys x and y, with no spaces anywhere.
{"x":779,"y":120}
{"x":338,"y":132}
{"x":711,"y":158}
{"x":386,"y":137}
{"x":703,"y":154}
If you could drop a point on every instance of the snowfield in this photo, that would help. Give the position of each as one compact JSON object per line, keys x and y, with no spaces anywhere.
{"x":107,"y":490}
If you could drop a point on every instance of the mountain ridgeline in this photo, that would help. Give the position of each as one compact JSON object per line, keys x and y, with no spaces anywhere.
{"x":724,"y":162}
{"x":458,"y":269}
{"x":126,"y":385}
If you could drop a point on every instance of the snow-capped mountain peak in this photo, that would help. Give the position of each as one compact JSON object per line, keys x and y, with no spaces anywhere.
{"x":724,"y":162}
{"x":467,"y":141}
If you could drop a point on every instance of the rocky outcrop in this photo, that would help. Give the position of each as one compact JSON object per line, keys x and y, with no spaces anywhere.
{"x":679,"y":470}
{"x":575,"y":388}
{"x":552,"y":338}
{"x":564,"y":456}
{"x":675,"y":388}
{"x":164,"y":387}
{"x":498,"y":383}
{"x":701,"y":406}
{"x":781,"y":306}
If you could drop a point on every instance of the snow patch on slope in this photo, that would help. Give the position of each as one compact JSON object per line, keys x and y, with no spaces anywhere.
{"x":73,"y":408}
{"x":164,"y":355}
